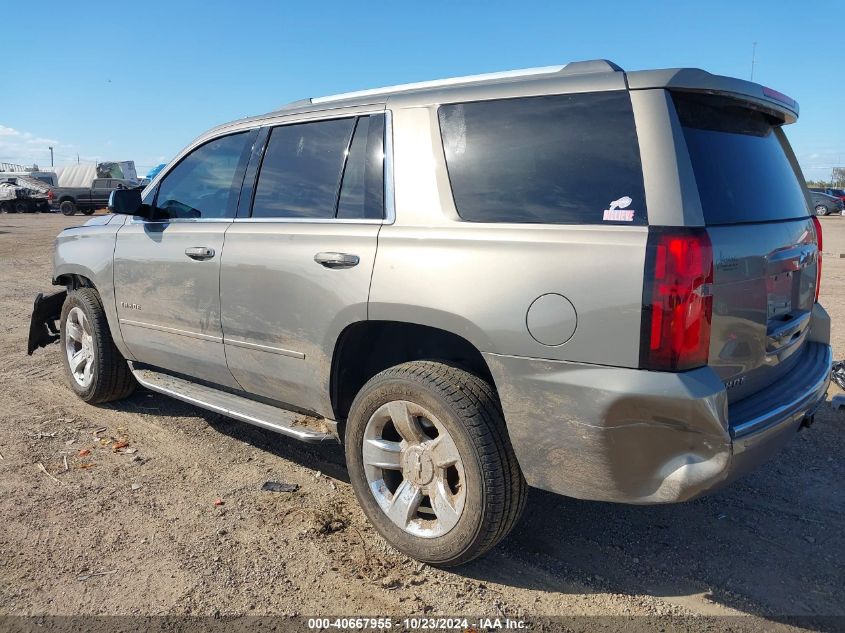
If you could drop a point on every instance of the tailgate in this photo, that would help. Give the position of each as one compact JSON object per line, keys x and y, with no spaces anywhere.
{"x":764,"y":282}
{"x":765,"y":253}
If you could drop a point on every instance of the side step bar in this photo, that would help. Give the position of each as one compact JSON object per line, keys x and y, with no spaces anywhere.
{"x":296,"y":425}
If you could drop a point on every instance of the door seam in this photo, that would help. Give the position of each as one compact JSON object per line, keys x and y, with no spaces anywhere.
{"x":220,"y":301}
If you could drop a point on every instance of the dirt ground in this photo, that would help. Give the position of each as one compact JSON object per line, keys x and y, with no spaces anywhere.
{"x":138,"y":530}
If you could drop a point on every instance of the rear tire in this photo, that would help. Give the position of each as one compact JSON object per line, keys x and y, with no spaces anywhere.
{"x":821,"y":209}
{"x":99,"y":373}
{"x":67,"y":207}
{"x":21,"y":207}
{"x":462,"y":458}
{"x":88,"y":211}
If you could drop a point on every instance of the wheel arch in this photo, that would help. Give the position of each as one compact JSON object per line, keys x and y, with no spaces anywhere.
{"x":366,"y":348}
{"x":74,"y":280}
{"x":73,"y":276}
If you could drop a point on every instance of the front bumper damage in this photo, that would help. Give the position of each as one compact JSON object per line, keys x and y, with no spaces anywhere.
{"x":644,"y":437}
{"x":42,"y":326}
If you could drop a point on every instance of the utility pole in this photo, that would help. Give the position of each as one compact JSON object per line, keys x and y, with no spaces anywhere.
{"x":753,"y":59}
{"x":51,"y":157}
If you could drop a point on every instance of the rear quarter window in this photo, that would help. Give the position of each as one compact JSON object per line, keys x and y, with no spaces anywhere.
{"x":740,"y":157}
{"x":558,"y":159}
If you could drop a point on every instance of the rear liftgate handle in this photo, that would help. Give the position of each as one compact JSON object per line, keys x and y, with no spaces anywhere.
{"x":337,"y":260}
{"x":199,"y":252}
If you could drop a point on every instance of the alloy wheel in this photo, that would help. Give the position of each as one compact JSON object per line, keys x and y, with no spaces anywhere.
{"x":414,"y":469}
{"x":79,"y":347}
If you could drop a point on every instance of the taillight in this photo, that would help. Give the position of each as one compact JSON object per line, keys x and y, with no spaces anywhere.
{"x":677,"y":299}
{"x":818,"y":226}
{"x":51,"y":194}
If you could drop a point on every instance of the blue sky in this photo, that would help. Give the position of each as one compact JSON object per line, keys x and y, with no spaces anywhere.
{"x":120,"y":81}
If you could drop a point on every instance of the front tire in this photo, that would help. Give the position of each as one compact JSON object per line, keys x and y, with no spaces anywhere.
{"x":67,"y":207}
{"x":95,"y":369}
{"x":821,"y":209}
{"x":431,"y":463}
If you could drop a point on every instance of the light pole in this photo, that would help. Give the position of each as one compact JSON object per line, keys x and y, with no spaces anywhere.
{"x":51,"y":157}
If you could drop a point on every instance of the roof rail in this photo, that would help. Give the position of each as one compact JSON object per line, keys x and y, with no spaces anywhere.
{"x":572,"y":68}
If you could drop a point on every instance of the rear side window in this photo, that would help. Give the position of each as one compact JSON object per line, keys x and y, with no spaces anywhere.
{"x":560,"y":159}
{"x":740,"y":157}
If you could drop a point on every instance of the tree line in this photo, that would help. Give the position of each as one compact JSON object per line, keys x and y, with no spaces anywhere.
{"x":837,"y":179}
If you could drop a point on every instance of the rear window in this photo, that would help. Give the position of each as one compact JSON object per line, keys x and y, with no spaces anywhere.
{"x":559,"y":159}
{"x":740,"y":159}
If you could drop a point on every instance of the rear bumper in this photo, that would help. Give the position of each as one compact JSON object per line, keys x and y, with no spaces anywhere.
{"x":761,"y":427}
{"x":635,"y":436}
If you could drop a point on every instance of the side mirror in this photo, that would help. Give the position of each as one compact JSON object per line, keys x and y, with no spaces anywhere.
{"x":127,"y":202}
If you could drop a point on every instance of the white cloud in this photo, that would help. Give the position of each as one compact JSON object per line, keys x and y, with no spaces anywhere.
{"x":25,"y":148}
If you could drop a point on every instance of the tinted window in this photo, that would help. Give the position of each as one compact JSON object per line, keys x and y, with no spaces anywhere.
{"x":300,"y":174}
{"x":207,"y":182}
{"x":362,"y":191}
{"x":740,"y":160}
{"x":562,"y":159}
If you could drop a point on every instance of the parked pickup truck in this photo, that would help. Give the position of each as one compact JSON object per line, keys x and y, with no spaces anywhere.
{"x":69,"y":200}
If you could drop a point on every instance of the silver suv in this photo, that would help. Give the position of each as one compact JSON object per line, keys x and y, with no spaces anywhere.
{"x":598,"y":283}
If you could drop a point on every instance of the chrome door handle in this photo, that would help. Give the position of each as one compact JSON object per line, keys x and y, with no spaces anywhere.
{"x":337,"y":260}
{"x":199,"y":252}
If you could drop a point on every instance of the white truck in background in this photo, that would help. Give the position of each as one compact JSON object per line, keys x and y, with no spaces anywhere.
{"x":21,"y":193}
{"x":47,"y":177}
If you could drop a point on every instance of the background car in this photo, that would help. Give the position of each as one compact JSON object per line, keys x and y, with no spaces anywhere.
{"x":823,"y":204}
{"x":831,"y":191}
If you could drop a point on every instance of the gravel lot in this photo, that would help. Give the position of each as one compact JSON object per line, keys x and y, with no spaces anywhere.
{"x":138,"y":531}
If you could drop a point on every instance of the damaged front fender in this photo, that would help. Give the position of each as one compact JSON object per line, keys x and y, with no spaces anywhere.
{"x":43,"y":329}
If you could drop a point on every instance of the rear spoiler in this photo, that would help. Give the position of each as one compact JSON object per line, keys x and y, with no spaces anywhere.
{"x":697,"y":80}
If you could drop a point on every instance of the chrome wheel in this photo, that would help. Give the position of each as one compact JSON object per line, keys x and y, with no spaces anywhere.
{"x":79,"y":347}
{"x":413,"y":469}
{"x":821,"y":210}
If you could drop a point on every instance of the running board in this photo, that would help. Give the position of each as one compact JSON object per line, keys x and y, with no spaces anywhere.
{"x":302,"y":427}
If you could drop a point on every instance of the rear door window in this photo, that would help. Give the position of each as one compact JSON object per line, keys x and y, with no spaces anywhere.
{"x":559,"y":159}
{"x":740,"y":157}
{"x":362,"y":191}
{"x":301,"y":171}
